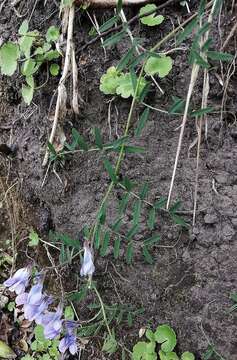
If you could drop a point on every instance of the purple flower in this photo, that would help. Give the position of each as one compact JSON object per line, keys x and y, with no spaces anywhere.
{"x":88,"y":267}
{"x":19,"y":281}
{"x":69,"y":341}
{"x":35,"y":303}
{"x":51,"y":322}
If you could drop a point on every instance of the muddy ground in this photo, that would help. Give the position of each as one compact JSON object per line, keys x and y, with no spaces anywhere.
{"x":189,"y":285}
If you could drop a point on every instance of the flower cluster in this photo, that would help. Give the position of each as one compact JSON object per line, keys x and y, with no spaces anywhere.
{"x":35,"y":304}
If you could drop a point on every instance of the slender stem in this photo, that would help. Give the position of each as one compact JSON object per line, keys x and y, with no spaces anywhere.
{"x":103,"y":310}
{"x":121,"y":153}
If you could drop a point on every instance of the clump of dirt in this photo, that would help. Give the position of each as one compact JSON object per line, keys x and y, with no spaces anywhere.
{"x":195,"y":270}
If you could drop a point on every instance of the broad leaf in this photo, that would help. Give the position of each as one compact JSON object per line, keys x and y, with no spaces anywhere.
{"x":187,"y":356}
{"x":166,"y":336}
{"x":144,"y":351}
{"x":9,"y":54}
{"x":150,"y":20}
{"x":109,"y":81}
{"x":161,"y":66}
{"x":34,"y":238}
{"x":54,"y":69}
{"x":52,"y":34}
{"x":27,"y":93}
{"x":125,"y":86}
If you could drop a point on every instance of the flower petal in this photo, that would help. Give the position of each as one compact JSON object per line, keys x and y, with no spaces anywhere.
{"x":63,"y":346}
{"x":73,"y":348}
{"x":35,"y":294}
{"x":21,"y":299}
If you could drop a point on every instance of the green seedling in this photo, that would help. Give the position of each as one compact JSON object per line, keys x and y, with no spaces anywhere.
{"x":43,"y":348}
{"x":160,"y":66}
{"x":34,"y":238}
{"x":161,"y":343}
{"x":150,"y":20}
{"x":31,"y":50}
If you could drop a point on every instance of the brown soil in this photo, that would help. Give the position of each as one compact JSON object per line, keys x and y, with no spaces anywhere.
{"x":189,"y":285}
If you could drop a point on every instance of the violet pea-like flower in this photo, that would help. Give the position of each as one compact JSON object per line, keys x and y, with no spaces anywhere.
{"x":35,"y":303}
{"x":69,"y":341}
{"x":19,"y":281}
{"x":52,"y":322}
{"x":87,"y":267}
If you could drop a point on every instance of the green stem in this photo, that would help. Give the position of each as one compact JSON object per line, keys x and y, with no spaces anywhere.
{"x":103,"y":310}
{"x":121,"y":153}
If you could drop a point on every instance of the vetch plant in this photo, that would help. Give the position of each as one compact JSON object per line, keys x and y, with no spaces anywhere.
{"x":28,"y":53}
{"x":35,"y":307}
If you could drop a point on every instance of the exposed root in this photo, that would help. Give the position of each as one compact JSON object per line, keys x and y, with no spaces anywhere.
{"x":68,"y":22}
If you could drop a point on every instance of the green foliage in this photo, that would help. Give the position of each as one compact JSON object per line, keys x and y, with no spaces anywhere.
{"x":44,"y":349}
{"x":150,"y":20}
{"x":187,"y":356}
{"x":158,"y":65}
{"x":34,"y":238}
{"x":54,"y":69}
{"x":110,"y":81}
{"x":30,"y":51}
{"x":165,"y":338}
{"x":144,"y":351}
{"x":211,"y":354}
{"x":125,"y":87}
{"x":110,"y":344}
{"x":68,"y":313}
{"x":52,"y":34}
{"x":115,"y":82}
{"x":9,"y":53}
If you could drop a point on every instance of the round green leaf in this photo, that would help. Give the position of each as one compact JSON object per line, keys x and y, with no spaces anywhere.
{"x":52,"y":34}
{"x":150,"y":20}
{"x":9,"y":54}
{"x":187,"y":356}
{"x":51,"y":55}
{"x":150,"y":335}
{"x":54,"y":69}
{"x":165,"y":336}
{"x":28,"y":67}
{"x":109,"y":81}
{"x":158,"y":65}
{"x":27,"y":93}
{"x":125,"y":86}
{"x":144,"y":351}
{"x":168,"y":356}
